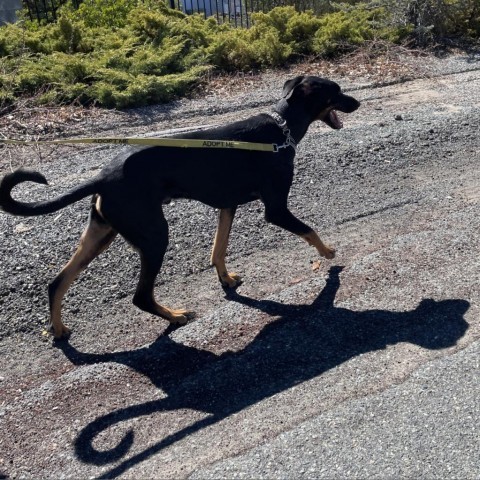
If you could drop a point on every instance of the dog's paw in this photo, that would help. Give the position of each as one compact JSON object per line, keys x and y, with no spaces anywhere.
{"x":180,"y":317}
{"x":230,"y":280}
{"x":60,"y":332}
{"x":329,"y":253}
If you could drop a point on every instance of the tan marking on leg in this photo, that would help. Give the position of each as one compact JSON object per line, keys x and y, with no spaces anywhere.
{"x":176,"y":317}
{"x":313,"y":239}
{"x":98,"y":207}
{"x":95,"y":239}
{"x":219,"y":250}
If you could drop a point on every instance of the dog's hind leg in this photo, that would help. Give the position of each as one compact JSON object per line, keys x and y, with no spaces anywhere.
{"x":152,"y":244}
{"x":219,"y":250}
{"x":95,"y":239}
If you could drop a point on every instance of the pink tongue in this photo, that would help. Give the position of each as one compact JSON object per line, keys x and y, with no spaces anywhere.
{"x":335,"y":120}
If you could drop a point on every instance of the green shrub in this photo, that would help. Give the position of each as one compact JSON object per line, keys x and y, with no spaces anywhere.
{"x":18,"y":40}
{"x":151,"y":27}
{"x":246,"y":49}
{"x":338,"y":32}
{"x":268,"y":46}
{"x":122,"y":53}
{"x":67,"y":34}
{"x":301,"y":29}
{"x":34,"y":75}
{"x":276,"y":19}
{"x":145,"y":90}
{"x":231,"y":51}
{"x":158,"y":61}
{"x":103,"y":13}
{"x":444,"y":17}
{"x":296,"y":30}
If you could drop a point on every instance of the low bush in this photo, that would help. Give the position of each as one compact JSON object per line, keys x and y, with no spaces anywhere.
{"x":340,"y":31}
{"x":295,"y":30}
{"x":124,"y":53}
{"x":433,"y":20}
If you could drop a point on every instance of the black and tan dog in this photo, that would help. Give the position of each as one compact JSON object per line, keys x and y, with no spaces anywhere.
{"x":129,"y":193}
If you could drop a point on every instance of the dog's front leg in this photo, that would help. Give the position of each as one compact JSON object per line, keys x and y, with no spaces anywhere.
{"x":282,"y":217}
{"x":313,"y":239}
{"x":225,"y":219}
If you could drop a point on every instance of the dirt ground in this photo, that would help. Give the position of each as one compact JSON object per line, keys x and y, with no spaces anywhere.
{"x":396,"y":192}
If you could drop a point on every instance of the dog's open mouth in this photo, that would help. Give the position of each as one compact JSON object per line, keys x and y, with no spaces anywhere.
{"x":333,"y":120}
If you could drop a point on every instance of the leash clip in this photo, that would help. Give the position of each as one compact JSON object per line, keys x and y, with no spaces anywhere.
{"x":282,"y":123}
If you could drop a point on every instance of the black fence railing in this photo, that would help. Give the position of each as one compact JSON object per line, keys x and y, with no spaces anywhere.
{"x":238,"y":12}
{"x":45,"y":9}
{"x":235,"y":12}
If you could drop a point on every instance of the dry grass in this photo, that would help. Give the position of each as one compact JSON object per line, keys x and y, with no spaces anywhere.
{"x":376,"y":63}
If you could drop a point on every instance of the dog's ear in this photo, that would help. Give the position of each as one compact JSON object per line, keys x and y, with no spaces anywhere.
{"x":290,"y":85}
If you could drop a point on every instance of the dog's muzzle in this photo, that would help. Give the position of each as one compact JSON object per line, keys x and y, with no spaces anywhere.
{"x":345,"y":104}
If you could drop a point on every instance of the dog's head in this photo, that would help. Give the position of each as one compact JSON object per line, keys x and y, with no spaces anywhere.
{"x":320,"y":98}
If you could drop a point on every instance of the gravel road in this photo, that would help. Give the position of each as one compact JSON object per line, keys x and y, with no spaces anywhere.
{"x":364,"y":367}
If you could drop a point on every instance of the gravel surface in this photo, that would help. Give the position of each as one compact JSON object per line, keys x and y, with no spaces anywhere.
{"x":337,"y":352}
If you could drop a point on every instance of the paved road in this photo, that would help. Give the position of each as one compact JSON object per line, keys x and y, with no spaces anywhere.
{"x":364,"y":367}
{"x":426,"y":427}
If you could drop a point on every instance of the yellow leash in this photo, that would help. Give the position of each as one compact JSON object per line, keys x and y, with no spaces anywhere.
{"x":154,"y":142}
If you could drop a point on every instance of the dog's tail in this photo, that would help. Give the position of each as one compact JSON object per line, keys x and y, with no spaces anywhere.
{"x":9,"y":205}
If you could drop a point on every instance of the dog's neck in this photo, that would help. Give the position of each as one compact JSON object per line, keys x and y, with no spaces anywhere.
{"x":296,"y":118}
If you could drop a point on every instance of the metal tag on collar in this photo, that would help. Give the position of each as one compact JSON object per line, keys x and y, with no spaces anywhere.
{"x":279,"y":119}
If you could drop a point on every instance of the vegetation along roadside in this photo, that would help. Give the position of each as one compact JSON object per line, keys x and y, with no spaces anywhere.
{"x":130,"y":53}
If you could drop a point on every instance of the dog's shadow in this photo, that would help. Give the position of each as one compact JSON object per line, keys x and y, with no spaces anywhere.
{"x":302,"y":343}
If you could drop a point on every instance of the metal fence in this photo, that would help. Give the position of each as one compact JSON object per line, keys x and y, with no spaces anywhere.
{"x":238,"y":12}
{"x":235,"y":12}
{"x":45,"y":9}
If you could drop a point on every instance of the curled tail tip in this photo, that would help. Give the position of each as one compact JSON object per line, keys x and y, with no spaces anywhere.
{"x":18,"y":176}
{"x":8,"y":183}
{"x":25,"y":175}
{"x":32,"y":209}
{"x":39,"y":178}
